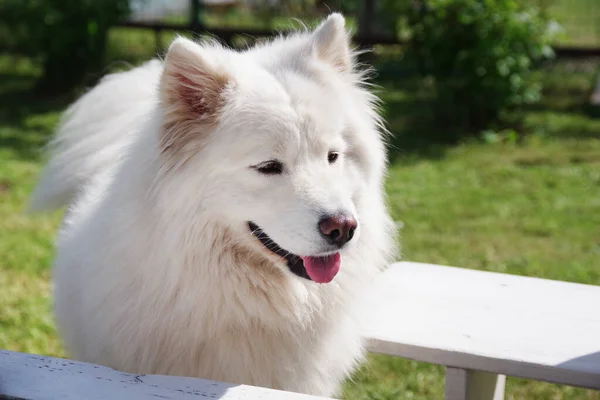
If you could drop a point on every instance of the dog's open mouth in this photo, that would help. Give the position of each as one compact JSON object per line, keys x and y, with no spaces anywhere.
{"x":321,"y":269}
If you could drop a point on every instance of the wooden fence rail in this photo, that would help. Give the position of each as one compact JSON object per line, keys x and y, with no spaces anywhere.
{"x":361,"y":39}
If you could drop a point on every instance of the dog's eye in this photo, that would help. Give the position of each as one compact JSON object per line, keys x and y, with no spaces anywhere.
{"x":332,"y":157}
{"x":272,"y":167}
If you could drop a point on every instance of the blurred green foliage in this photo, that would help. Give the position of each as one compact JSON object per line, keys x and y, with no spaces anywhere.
{"x":67,"y":36}
{"x":478,"y":56}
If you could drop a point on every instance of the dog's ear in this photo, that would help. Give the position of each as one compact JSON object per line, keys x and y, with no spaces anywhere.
{"x":331,"y":43}
{"x":192,"y":94}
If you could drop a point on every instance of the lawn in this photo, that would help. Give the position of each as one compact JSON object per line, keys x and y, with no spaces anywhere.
{"x":527,"y":207}
{"x":579,"y":18}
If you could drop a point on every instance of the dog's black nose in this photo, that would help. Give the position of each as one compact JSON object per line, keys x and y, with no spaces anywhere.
{"x":338,"y":229}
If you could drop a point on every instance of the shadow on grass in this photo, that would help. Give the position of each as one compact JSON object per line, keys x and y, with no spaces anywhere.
{"x":27,"y":119}
{"x":565,"y":110}
{"x":408,"y":114}
{"x":414,"y":135}
{"x":563,"y":113}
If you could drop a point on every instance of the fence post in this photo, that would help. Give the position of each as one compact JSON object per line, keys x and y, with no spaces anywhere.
{"x":195,"y":14}
{"x":366,"y":17}
{"x":365,"y":32}
{"x":463,"y":384}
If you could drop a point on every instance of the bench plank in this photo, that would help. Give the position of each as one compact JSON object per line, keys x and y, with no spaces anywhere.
{"x":504,"y":324}
{"x":29,"y":376}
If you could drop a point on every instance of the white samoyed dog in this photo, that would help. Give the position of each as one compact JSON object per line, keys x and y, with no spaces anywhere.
{"x":226,"y":210}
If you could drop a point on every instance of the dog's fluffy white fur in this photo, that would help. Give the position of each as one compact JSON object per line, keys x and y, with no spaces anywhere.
{"x":156,"y":269}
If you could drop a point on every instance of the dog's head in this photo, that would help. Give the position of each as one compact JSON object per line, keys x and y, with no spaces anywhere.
{"x":282,"y":140}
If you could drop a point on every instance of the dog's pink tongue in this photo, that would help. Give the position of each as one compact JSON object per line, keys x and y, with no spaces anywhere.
{"x":322,"y":269}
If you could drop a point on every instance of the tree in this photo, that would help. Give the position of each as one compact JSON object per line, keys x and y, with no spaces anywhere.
{"x":68,"y":37}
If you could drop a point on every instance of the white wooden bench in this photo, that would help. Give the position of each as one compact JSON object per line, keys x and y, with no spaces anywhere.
{"x":33,"y":377}
{"x":482,"y":326}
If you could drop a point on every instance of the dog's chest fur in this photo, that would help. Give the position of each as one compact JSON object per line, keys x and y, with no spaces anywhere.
{"x":215,"y":311}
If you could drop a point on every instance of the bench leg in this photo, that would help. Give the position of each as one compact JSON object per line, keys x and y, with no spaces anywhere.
{"x":463,"y":384}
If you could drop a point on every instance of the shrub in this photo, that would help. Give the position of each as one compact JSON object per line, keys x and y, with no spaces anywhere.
{"x":479,"y":54}
{"x":67,"y":36}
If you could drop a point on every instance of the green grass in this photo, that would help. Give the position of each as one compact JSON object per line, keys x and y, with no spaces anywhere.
{"x":580,"y":20}
{"x":25,"y":243}
{"x":530,"y":207}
